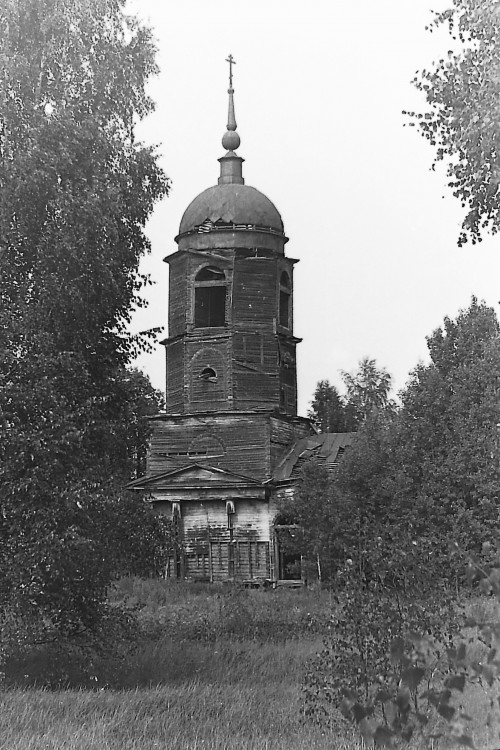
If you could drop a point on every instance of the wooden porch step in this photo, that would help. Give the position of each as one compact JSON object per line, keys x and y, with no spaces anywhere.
{"x":292,"y":584}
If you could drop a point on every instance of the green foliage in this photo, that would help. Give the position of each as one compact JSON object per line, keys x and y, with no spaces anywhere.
{"x":367,"y":389}
{"x":154,"y":631}
{"x":135,"y":399}
{"x":462,"y":91}
{"x":76,"y":190}
{"x":383,"y":594}
{"x":323,"y":520}
{"x":328,"y":411}
{"x":184,"y":694}
{"x":444,"y":457}
{"x":414,"y":481}
{"x":418,"y":695}
{"x":90,"y":660}
{"x":430,"y":469}
{"x":231,"y":690}
{"x":330,"y":508}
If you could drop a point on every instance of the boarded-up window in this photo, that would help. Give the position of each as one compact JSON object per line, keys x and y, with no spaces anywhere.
{"x":210,"y":298}
{"x":206,"y":446}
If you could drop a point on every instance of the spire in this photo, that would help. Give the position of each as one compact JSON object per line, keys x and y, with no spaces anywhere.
{"x":230,"y":163}
{"x":231,"y":139}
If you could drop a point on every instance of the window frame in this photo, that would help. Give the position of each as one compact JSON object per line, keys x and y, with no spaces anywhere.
{"x":211,"y":294}
{"x":285,"y":297}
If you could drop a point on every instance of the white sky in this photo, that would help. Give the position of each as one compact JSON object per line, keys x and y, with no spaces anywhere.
{"x":319,"y":91}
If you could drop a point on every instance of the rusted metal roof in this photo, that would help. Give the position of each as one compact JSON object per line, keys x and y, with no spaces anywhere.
{"x":231,"y":204}
{"x":327,"y":448}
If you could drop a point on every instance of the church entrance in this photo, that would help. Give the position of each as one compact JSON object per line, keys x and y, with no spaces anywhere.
{"x":288,"y":552}
{"x":290,"y":566}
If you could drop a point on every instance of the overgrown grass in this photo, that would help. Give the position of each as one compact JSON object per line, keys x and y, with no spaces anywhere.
{"x":201,"y":611}
{"x":184,"y":717}
{"x":216,"y":668}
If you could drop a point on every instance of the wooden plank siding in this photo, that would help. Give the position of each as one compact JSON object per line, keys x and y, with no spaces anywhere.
{"x":255,"y":365}
{"x":178,"y":295}
{"x":283,"y":434}
{"x":231,"y":402}
{"x":175,"y":376}
{"x":214,"y":552}
{"x":238,"y":560}
{"x":254,"y":293}
{"x":204,"y":394}
{"x":255,"y":369}
{"x":252,"y":444}
{"x":244,"y":439}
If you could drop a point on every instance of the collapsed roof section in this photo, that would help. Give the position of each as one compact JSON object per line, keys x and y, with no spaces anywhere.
{"x":327,"y":448}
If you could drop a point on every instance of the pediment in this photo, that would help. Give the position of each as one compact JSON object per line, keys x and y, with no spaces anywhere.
{"x":193,"y":475}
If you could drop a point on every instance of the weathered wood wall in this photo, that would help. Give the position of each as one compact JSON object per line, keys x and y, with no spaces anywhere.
{"x":178,"y":301}
{"x":239,"y":560}
{"x":244,"y":439}
{"x":252,"y":355}
{"x":283,"y":434}
{"x":250,"y":444}
{"x":231,"y":400}
{"x":212,"y":550}
{"x":255,"y":293}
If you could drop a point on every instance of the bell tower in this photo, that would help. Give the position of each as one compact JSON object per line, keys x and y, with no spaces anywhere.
{"x":231,"y":345}
{"x":221,"y":458}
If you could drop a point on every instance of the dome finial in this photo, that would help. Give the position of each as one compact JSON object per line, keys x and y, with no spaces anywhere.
{"x":231,"y":62}
{"x":231,"y":139}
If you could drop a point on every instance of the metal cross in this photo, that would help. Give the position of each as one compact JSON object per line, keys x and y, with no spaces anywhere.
{"x":231,"y":63}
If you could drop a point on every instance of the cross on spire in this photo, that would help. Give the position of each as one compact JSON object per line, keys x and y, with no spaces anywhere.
{"x":231,"y":62}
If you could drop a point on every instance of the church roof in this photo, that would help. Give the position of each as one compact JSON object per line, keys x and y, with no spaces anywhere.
{"x":231,"y":204}
{"x":327,"y":448}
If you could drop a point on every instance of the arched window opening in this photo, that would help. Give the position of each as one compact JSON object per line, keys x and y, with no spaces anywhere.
{"x":285,"y":280}
{"x":285,"y":297}
{"x":211,"y":273}
{"x":210,"y":298}
{"x":208,"y":374}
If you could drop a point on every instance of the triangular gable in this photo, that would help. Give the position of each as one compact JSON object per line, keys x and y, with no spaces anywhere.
{"x":193,"y":475}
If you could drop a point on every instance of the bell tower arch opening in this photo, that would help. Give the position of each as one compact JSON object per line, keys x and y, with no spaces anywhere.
{"x":210,"y":292}
{"x":285,"y":300}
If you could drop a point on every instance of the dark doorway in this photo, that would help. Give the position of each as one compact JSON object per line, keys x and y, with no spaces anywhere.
{"x":288,"y":548}
{"x":290,"y":568}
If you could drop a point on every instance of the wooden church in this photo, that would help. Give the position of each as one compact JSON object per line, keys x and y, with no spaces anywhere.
{"x":225,"y":455}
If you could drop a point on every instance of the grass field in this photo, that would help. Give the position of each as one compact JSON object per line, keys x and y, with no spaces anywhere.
{"x":244,"y":696}
{"x":221,"y":668}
